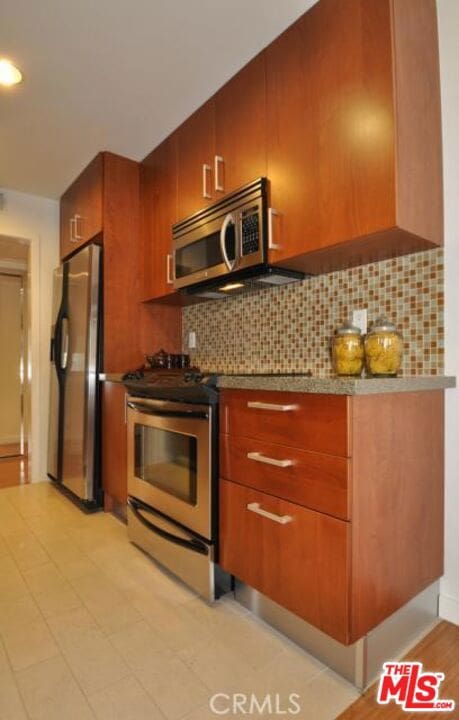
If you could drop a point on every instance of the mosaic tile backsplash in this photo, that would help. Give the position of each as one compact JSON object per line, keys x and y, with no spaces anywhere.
{"x":288,"y":329}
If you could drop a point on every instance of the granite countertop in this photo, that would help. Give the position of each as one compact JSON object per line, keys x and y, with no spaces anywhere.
{"x":336,"y":386}
{"x":327,"y":386}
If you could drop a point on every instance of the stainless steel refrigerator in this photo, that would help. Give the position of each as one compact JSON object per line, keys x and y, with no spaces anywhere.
{"x":73,"y":444}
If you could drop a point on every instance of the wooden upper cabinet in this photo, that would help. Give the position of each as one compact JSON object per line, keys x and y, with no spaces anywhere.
{"x":240,"y":128}
{"x":81,"y":208}
{"x":195,"y":158}
{"x":354,"y":133}
{"x":158,"y":213}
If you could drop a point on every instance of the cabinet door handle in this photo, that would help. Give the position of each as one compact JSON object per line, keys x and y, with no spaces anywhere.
{"x":218,"y":185}
{"x":269,"y":461}
{"x":77,"y":236}
{"x":255,"y":405}
{"x":170,"y":272}
{"x":281,"y":519}
{"x":271,"y":244}
{"x":205,"y":169}
{"x":72,"y":230}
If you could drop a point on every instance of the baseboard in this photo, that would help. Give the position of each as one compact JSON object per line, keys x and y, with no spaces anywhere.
{"x":449,"y":608}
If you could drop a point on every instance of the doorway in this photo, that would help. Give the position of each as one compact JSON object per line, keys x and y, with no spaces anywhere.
{"x":14,"y":386}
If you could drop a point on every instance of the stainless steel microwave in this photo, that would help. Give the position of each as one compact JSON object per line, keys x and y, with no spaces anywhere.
{"x":225,"y":246}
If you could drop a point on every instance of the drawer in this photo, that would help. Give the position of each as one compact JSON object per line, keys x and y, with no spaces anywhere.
{"x":311,"y":479}
{"x":297,"y":557}
{"x":305,"y":421}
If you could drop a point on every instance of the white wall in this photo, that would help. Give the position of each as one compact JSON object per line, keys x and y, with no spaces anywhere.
{"x":448,"y":16}
{"x":37,"y":220}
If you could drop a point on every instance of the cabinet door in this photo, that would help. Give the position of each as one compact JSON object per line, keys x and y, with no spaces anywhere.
{"x":81,"y":208}
{"x":297,"y":557}
{"x":330,"y":126}
{"x":114,"y":446}
{"x":195,"y":155}
{"x":240,"y":128}
{"x":158,"y":213}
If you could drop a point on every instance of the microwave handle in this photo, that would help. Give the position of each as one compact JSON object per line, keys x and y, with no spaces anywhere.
{"x":229,"y":219}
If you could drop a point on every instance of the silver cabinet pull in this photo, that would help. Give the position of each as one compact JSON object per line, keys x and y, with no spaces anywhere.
{"x":281,"y":519}
{"x":270,"y":406}
{"x":205,"y":169}
{"x":269,"y":461}
{"x":77,"y":235}
{"x":73,"y":237}
{"x":218,"y":160}
{"x":170,"y":269}
{"x":271,"y":244}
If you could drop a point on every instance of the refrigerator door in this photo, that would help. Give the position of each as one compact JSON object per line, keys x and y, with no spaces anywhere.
{"x":56,"y":377}
{"x":79,"y":357}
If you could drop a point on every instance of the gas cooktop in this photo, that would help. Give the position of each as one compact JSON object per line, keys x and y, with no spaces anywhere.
{"x":188,"y":385}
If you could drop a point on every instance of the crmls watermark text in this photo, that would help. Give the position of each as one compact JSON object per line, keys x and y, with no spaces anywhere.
{"x":243,"y":704}
{"x":411,"y":688}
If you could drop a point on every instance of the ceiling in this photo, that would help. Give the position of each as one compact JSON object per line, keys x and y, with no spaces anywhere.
{"x":116,"y":75}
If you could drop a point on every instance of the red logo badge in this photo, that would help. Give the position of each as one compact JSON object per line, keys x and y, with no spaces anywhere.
{"x":416,"y":691}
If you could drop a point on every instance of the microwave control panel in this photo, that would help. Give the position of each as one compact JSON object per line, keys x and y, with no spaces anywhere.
{"x":250,"y":226}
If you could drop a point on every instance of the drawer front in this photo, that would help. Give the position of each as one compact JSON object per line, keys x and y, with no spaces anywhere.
{"x":297,"y":557}
{"x":311,"y":479}
{"x":305,"y":421}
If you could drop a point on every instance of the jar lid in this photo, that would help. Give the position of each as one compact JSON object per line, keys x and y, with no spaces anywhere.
{"x":348,"y":329}
{"x":382,"y":324}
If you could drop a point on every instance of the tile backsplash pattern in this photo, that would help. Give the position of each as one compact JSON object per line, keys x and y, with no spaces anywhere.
{"x":288,"y":329}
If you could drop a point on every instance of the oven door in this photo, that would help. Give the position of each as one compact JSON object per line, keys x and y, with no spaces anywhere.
{"x":169,"y":460}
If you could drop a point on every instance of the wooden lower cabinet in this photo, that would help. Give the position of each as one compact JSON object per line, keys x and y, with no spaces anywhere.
{"x":114,"y":447}
{"x":297,"y":557}
{"x":346,"y":541}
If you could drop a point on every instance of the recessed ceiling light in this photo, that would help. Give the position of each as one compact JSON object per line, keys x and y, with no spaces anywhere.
{"x":9,"y":73}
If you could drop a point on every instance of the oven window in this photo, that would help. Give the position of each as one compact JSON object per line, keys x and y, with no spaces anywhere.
{"x":204,"y":253}
{"x":167,"y":460}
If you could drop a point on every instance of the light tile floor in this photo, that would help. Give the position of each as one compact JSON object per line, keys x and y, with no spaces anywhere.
{"x":90,"y":627}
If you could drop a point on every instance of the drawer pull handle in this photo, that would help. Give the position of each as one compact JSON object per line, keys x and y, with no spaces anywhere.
{"x":281,"y":519}
{"x":270,"y":406}
{"x":269,"y":461}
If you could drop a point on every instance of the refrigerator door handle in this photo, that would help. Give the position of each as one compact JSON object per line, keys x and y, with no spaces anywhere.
{"x":64,"y":350}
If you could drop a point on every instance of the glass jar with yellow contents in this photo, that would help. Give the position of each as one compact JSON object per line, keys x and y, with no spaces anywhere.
{"x":347,"y":351}
{"x":383,"y":349}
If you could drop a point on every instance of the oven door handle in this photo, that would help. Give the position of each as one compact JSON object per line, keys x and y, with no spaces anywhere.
{"x":193,"y":544}
{"x":147,"y":410}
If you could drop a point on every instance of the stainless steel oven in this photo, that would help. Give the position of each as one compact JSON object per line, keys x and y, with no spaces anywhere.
{"x":172,"y":486}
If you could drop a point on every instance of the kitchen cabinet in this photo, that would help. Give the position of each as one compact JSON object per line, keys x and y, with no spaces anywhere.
{"x":195,"y":157}
{"x":114,"y":447}
{"x":240,"y":128}
{"x":341,"y":532}
{"x":342,"y":113}
{"x":284,"y":555}
{"x":158,"y":213}
{"x":354,"y":134}
{"x":81,"y":208}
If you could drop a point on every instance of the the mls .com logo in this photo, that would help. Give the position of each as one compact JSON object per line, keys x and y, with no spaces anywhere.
{"x":416,"y":691}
